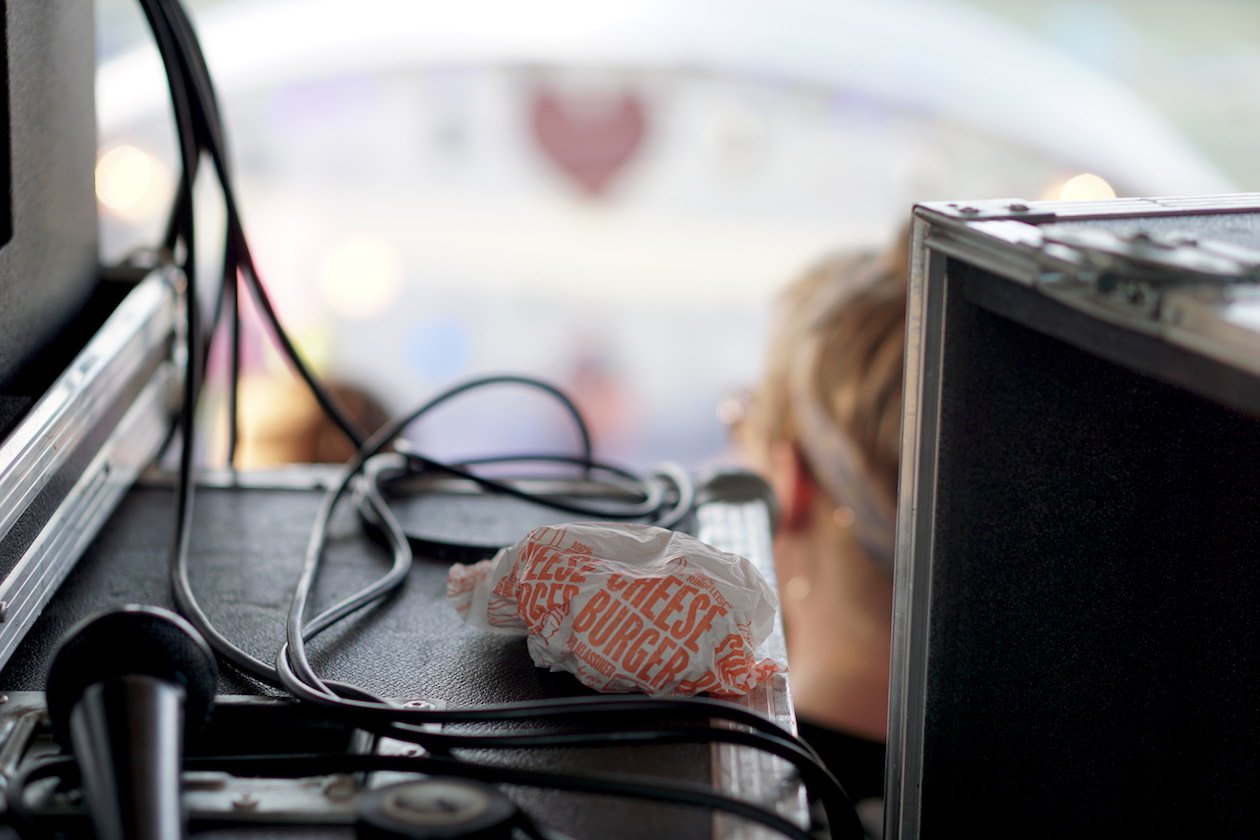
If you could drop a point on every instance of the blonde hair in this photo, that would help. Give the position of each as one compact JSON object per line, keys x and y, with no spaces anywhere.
{"x":838,"y":342}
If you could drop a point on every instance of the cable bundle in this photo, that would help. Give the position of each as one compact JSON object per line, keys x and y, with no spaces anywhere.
{"x":664,"y":499}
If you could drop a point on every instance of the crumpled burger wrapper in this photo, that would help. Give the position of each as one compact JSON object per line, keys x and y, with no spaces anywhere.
{"x":626,"y":608}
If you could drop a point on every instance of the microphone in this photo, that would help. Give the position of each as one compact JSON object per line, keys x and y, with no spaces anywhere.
{"x":124,"y":689}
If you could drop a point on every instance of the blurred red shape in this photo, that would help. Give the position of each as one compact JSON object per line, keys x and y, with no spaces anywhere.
{"x":591,"y":138}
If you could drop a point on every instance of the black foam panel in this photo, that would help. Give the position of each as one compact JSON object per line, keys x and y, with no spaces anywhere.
{"x":1095,"y":608}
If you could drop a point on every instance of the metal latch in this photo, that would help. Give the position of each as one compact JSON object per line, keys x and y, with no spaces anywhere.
{"x":1135,"y":270}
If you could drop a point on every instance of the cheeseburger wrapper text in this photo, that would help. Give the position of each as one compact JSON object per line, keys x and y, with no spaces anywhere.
{"x":626,"y":608}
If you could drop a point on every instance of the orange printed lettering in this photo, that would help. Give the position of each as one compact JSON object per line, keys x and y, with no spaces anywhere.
{"x":591,"y":610}
{"x":675,"y":603}
{"x":704,"y":624}
{"x":675,"y":666}
{"x":660,"y":592}
{"x":683,"y":626}
{"x":639,"y":650}
{"x":632,"y":625}
{"x":640,"y":589}
{"x":657,"y":657}
{"x":607,"y":623}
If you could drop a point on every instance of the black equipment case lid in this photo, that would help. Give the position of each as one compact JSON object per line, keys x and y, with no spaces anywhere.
{"x":1076,"y":630}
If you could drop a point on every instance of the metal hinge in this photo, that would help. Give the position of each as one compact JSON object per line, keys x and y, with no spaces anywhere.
{"x":1135,"y":270}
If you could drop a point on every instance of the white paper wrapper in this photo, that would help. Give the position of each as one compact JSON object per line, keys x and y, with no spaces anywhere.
{"x":626,"y":608}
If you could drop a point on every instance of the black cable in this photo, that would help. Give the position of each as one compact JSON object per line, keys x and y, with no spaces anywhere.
{"x":174,"y":47}
{"x":234,"y":365}
{"x":177,"y":64}
{"x":382,"y":438}
{"x":382,"y":586}
{"x":319,"y":764}
{"x":296,"y":635}
{"x":180,"y":226}
{"x":195,"y":64}
{"x":389,"y":472}
{"x":772,"y":739}
{"x":185,"y":60}
{"x":648,"y":507}
{"x":685,"y":492}
{"x":199,"y":131}
{"x":184,"y":594}
{"x":189,"y":154}
{"x":617,"y":713}
{"x":607,"y":784}
{"x":615,"y":734}
{"x":294,"y":650}
{"x":216,"y":149}
{"x":174,"y":56}
{"x":299,"y":678}
{"x":819,"y":781}
{"x":586,"y":446}
{"x":207,"y":131}
{"x":308,"y":765}
{"x":183,"y":30}
{"x":16,"y":808}
{"x":300,"y":632}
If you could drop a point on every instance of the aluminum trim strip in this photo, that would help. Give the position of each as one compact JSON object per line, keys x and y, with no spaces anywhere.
{"x":1214,"y":328}
{"x":89,"y":503}
{"x":1043,"y":211}
{"x":60,"y":420}
{"x":745,"y":528}
{"x":912,"y":581}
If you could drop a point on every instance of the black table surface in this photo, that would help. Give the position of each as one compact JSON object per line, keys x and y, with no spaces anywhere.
{"x":247,"y":547}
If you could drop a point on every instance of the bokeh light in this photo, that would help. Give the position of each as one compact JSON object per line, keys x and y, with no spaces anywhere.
{"x":128,"y":181}
{"x":360,"y":276}
{"x":1084,"y":187}
{"x":438,"y":348}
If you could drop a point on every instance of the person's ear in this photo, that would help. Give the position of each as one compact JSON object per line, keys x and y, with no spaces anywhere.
{"x":793,"y":486}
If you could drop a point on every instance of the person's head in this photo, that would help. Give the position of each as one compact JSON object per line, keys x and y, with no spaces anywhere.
{"x":824,"y":427}
{"x":830,"y":400}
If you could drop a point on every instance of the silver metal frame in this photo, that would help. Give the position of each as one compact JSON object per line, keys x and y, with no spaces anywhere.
{"x":1217,"y":318}
{"x":118,"y":359}
{"x":744,"y":527}
{"x":912,"y":579}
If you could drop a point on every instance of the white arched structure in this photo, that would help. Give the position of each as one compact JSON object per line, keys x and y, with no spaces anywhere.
{"x":927,"y":56}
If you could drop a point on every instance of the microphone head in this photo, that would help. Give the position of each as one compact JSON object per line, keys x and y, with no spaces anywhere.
{"x":133,"y":640}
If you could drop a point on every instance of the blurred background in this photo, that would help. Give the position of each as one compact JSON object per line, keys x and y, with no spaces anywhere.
{"x":608,"y":195}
